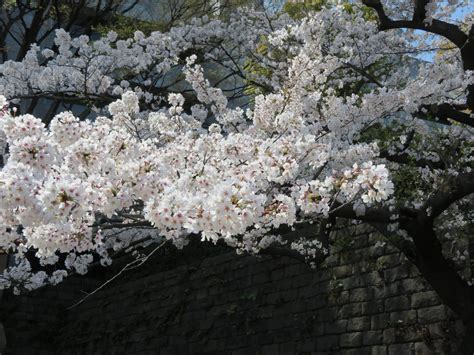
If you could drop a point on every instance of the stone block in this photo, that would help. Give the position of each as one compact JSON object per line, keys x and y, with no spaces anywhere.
{"x":361,"y":241}
{"x":318,"y":302}
{"x":351,"y":310}
{"x":422,"y":349}
{"x":330,"y":262}
{"x":3,"y":339}
{"x":240,"y":352}
{"x":336,"y":327}
{"x":372,"y":337}
{"x":389,"y":335}
{"x":260,"y":278}
{"x":351,"y":282}
{"x":361,"y":294}
{"x":327,"y":314}
{"x":403,"y":317}
{"x":321,"y":275}
{"x":413,"y":285}
{"x":366,"y":350}
{"x":328,"y":343}
{"x":317,"y":329}
{"x":401,"y":333}
{"x":293,"y":270}
{"x":301,"y":280}
{"x":339,"y":298}
{"x":373,"y":307}
{"x":307,"y":346}
{"x":279,"y":274}
{"x":376,"y":251}
{"x":287,"y":348}
{"x":288,"y":295}
{"x":375,"y":237}
{"x":396,"y":273}
{"x":373,"y":278}
{"x":364,"y":267}
{"x":390,"y":260}
{"x":398,"y":349}
{"x":424,"y":299}
{"x":359,"y":323}
{"x":459,"y":328}
{"x":379,"y":321}
{"x":397,"y":303}
{"x":431,"y":314}
{"x":270,"y":350}
{"x":342,"y":271}
{"x":352,"y":256}
{"x":382,"y":290}
{"x":349,"y":340}
{"x":201,"y":294}
{"x":438,"y":330}
{"x":378,"y":350}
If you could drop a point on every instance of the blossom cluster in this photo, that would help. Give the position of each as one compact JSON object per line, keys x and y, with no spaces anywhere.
{"x":207,"y":168}
{"x":60,"y":179}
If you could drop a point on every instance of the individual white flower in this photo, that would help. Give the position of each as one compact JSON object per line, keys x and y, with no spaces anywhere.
{"x":47,"y":53}
{"x":3,"y":102}
{"x":282,"y":210}
{"x":176,"y":99}
{"x":112,"y":36}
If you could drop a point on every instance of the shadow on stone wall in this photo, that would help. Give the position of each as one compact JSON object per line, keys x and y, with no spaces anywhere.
{"x":206,"y":300}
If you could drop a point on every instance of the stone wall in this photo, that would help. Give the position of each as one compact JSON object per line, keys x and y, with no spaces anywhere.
{"x":366,"y":299}
{"x":3,"y":340}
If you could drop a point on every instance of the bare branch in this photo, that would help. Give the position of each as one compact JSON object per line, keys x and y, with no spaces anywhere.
{"x":130,"y":266}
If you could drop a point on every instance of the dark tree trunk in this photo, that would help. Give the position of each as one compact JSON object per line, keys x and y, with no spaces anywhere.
{"x":441,"y":274}
{"x":467,"y":345}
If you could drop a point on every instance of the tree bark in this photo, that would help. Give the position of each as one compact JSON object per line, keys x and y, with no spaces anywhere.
{"x":467,"y":344}
{"x":441,"y":274}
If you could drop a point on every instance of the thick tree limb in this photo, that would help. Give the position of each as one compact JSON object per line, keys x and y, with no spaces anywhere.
{"x":372,"y":214}
{"x":420,"y":10}
{"x":455,"y":189}
{"x":446,"y":112}
{"x":404,"y":158}
{"x":445,"y":29}
{"x":439,"y":271}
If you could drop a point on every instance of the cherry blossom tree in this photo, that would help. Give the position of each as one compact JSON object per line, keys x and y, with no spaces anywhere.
{"x":24,"y":23}
{"x":345,"y":124}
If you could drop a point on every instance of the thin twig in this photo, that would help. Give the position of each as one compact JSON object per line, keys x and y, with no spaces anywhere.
{"x":131,"y":265}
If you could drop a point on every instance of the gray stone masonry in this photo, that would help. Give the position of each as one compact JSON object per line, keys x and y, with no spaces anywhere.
{"x":206,"y":300}
{"x":3,"y":340}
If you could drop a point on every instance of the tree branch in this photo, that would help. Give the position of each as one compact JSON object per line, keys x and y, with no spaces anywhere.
{"x":143,"y":224}
{"x":445,"y":29}
{"x":465,"y":42}
{"x":455,"y":189}
{"x":420,"y":10}
{"x":372,"y":214}
{"x":404,"y":158}
{"x":278,"y":251}
{"x":446,"y":112}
